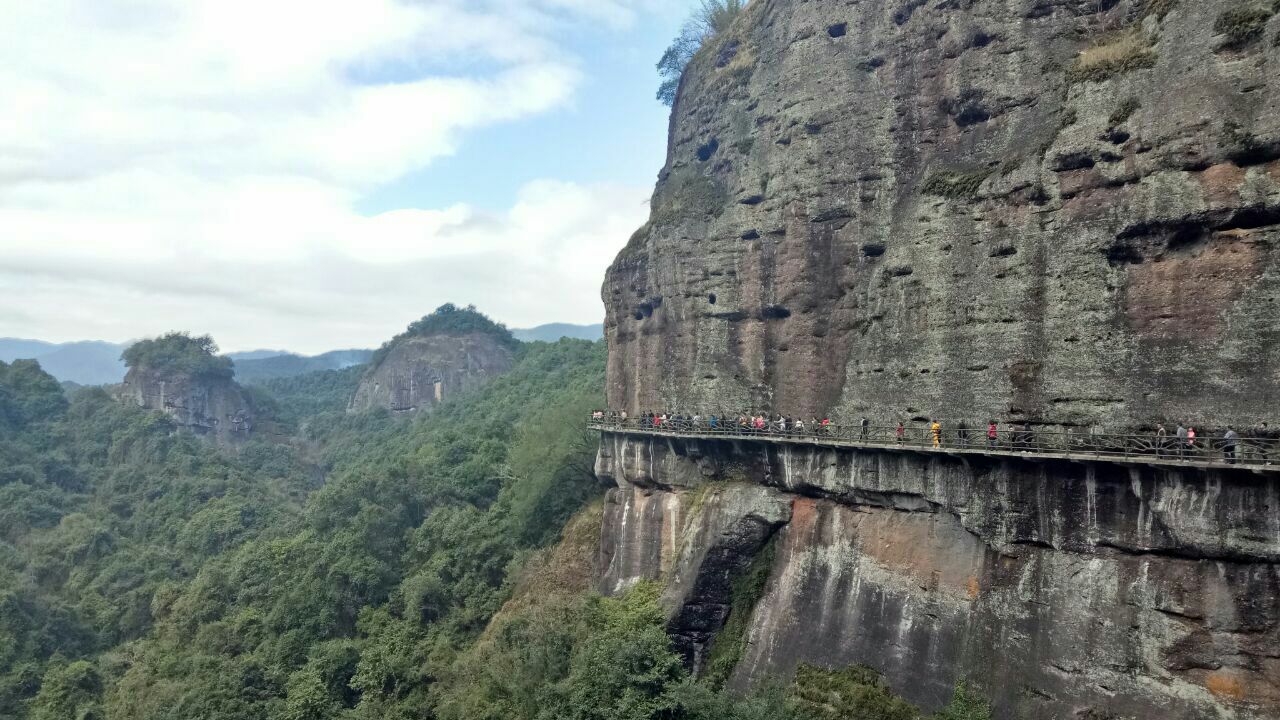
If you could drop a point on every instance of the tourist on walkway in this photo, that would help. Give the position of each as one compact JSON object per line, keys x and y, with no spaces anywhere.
{"x":991,"y":434}
{"x":902,"y":430}
{"x":935,"y":429}
{"x":962,"y":432}
{"x":1191,"y":441}
{"x":1229,"y":441}
{"x":1162,"y":440}
{"x":1182,"y":441}
{"x":862,"y":433}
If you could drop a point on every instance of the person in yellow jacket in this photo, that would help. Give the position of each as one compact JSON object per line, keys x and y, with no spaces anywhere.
{"x":935,"y":429}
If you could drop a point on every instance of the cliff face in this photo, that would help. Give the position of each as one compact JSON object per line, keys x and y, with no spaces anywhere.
{"x":1063,"y":211}
{"x":419,"y":372}
{"x":1056,"y":588}
{"x":217,"y":408}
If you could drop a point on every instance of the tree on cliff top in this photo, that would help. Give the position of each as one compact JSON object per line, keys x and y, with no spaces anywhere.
{"x":449,"y":319}
{"x":709,"y":20}
{"x":182,"y":353}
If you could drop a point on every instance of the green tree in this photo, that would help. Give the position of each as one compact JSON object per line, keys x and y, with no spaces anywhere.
{"x":711,"y":18}
{"x":69,"y":692}
{"x":180,"y":352}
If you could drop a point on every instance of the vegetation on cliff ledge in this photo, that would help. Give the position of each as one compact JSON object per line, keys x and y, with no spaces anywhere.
{"x":1244,"y":25}
{"x":710,"y":19}
{"x":954,"y":185}
{"x":1113,"y":55}
{"x":180,"y":353}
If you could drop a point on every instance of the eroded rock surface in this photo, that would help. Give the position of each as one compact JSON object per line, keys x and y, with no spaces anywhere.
{"x":217,"y":407}
{"x":419,"y":372}
{"x":900,"y":208}
{"x":1057,"y":588}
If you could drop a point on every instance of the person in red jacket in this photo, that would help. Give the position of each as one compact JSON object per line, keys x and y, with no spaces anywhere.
{"x":991,"y":434}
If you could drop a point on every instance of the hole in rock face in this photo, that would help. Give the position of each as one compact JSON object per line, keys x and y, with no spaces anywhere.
{"x":966,"y":108}
{"x":873,"y":249}
{"x":751,"y":235}
{"x":706,"y":151}
{"x":728,"y":53}
{"x":1004,"y":251}
{"x":711,"y":298}
{"x":776,"y":312}
{"x":838,"y":30}
{"x":1074,"y":161}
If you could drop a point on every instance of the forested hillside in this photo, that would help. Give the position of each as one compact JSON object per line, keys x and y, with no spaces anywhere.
{"x":146,"y":574}
{"x":367,"y":567}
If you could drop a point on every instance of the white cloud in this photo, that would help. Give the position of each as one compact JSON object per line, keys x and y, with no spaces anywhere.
{"x":195,"y":164}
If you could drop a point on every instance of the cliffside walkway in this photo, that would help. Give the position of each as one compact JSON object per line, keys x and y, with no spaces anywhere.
{"x":1256,"y":454}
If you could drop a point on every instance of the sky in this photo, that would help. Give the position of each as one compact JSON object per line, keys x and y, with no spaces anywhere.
{"x":310,"y":176}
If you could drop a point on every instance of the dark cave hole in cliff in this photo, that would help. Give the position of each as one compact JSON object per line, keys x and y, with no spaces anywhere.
{"x":1004,"y":251}
{"x":966,"y":108}
{"x":1074,"y":161}
{"x":1253,"y":217}
{"x":981,"y":40}
{"x":775,"y":312}
{"x":711,"y":298}
{"x":706,"y":151}
{"x":1153,"y":239}
{"x":1253,"y":151}
{"x":838,"y":30}
{"x":873,"y":250}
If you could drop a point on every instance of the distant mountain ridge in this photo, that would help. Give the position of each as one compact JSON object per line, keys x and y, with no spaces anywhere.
{"x":95,"y":362}
{"x":257,"y":369}
{"x":90,"y":362}
{"x":552,"y":332}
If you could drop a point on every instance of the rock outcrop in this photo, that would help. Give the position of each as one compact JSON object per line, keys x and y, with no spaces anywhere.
{"x":1059,"y":211}
{"x":213,"y":407}
{"x":416,"y":373}
{"x":1057,"y":589}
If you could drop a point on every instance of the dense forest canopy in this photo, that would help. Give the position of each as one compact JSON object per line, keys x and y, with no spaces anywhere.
{"x":365,"y":567}
{"x":181,"y":353}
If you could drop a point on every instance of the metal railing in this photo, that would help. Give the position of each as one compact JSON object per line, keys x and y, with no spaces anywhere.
{"x":1148,"y":448}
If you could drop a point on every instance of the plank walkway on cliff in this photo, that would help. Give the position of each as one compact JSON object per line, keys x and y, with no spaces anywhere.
{"x":1261,"y":455}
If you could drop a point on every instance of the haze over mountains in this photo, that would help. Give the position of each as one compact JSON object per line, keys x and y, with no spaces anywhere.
{"x":96,"y":362}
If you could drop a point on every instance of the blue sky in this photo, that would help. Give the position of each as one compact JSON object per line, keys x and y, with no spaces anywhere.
{"x":612,"y":131}
{"x":285,"y":174}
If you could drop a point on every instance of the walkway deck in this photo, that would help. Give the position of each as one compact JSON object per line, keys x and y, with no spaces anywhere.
{"x":1259,"y":456}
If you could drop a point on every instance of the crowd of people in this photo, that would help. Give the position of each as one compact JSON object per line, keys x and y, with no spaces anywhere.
{"x":1183,"y":443}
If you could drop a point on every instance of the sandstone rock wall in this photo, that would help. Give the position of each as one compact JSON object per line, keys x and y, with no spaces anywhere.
{"x":419,"y":372}
{"x":1056,"y":588}
{"x":902,"y":208}
{"x":213,"y":407}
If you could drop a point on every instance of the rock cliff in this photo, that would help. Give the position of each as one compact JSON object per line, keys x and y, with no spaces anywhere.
{"x":1063,"y":212}
{"x":1059,"y":211}
{"x":1060,"y":590}
{"x":416,"y":373}
{"x":214,"y":407}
